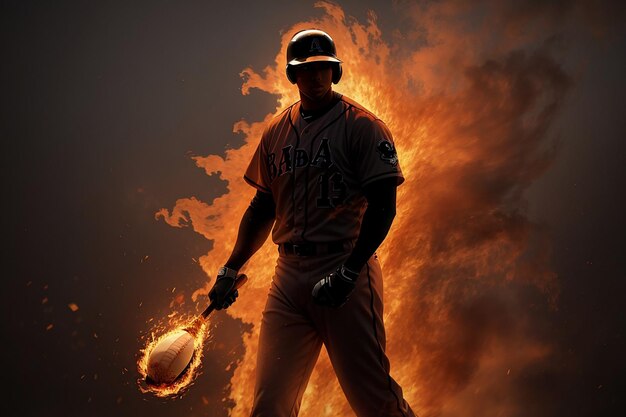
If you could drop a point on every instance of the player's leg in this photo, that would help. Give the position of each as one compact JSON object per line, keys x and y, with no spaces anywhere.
{"x":355,"y":340}
{"x":288,"y":349}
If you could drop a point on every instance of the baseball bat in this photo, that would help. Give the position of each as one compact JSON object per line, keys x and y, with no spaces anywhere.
{"x":195,"y":326}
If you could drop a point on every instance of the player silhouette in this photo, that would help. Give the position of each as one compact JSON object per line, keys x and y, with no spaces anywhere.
{"x":326,"y":173}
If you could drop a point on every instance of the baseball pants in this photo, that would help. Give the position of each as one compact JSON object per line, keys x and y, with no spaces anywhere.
{"x":293,"y":330}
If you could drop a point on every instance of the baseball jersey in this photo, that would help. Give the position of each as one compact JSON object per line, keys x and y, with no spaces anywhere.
{"x":316,"y":170}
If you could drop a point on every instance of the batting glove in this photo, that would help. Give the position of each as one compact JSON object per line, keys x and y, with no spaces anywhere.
{"x":222,"y":294}
{"x":335,"y":289}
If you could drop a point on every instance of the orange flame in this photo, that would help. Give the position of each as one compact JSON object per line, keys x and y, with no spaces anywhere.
{"x":470,"y":128}
{"x":159,"y":332}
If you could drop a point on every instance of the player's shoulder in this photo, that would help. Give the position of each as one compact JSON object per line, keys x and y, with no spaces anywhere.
{"x":274,"y":124}
{"x":358,"y":111}
{"x":360,"y":118}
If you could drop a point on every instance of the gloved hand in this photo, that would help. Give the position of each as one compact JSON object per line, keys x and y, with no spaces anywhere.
{"x":335,"y":289}
{"x":222,"y":294}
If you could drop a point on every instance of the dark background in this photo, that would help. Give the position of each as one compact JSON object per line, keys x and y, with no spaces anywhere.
{"x":103,"y":103}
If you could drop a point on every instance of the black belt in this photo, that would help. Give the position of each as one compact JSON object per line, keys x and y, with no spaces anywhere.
{"x":313,"y":249}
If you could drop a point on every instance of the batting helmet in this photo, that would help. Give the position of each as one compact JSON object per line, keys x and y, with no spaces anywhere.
{"x":312,"y":45}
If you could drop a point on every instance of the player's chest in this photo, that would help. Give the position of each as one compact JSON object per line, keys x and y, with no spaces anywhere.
{"x":306,"y":148}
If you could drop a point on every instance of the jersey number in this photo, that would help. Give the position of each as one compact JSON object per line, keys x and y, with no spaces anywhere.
{"x":333,"y":190}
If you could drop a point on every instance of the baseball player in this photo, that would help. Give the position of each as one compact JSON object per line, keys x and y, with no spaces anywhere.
{"x":326,"y":173}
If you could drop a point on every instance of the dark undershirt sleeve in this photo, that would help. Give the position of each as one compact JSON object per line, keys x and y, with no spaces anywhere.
{"x":254,"y":229}
{"x":377,"y":220}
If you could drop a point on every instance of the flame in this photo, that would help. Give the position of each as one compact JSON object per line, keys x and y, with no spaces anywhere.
{"x":470,"y":122}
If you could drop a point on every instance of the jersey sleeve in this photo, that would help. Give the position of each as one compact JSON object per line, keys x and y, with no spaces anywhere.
{"x":256,"y":175}
{"x":376,"y":153}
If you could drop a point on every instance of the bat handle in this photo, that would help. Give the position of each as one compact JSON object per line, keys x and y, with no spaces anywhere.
{"x":239,"y":281}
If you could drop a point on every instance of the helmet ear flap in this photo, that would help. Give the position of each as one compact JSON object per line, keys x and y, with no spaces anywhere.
{"x":337,"y":71}
{"x":291,"y":76}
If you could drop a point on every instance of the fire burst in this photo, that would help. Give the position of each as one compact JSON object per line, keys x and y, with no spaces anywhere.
{"x":198,"y":329}
{"x":470,"y":127}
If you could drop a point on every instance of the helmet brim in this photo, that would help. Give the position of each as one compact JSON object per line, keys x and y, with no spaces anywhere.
{"x":317,"y":58}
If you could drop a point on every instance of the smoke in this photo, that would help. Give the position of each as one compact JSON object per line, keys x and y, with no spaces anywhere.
{"x":471,"y":91}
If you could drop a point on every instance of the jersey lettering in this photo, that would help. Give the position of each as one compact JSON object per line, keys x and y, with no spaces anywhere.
{"x":285,"y":161}
{"x":322,"y":158}
{"x":302,"y":159}
{"x":271,"y":166}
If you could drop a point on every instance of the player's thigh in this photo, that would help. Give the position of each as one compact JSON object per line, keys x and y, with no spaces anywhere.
{"x":355,"y":341}
{"x":360,"y":319}
{"x":288,"y":343}
{"x":355,"y":338}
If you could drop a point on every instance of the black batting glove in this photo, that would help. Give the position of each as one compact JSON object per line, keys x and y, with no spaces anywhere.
{"x":222,"y":294}
{"x":335,"y":289}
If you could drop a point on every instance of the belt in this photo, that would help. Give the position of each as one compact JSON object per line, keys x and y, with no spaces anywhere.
{"x":313,"y":249}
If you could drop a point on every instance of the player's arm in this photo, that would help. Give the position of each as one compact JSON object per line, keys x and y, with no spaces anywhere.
{"x":377,"y":220}
{"x":335,"y":288}
{"x":254,"y":228}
